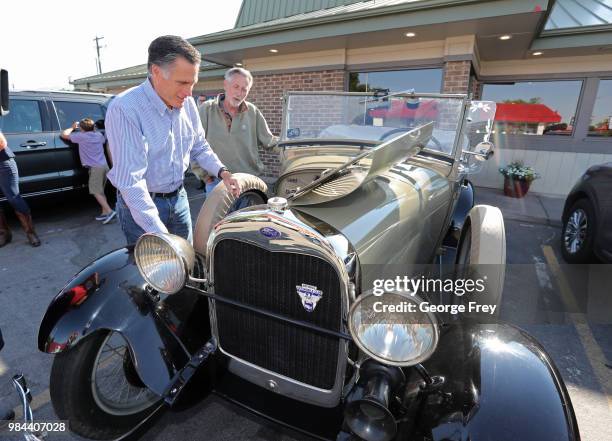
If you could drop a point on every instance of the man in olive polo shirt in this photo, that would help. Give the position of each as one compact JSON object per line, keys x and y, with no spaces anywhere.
{"x":235,"y":128}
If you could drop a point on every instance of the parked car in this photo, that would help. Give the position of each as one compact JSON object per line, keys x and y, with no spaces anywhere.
{"x":274,"y":304}
{"x":587,"y":217}
{"x":47,"y":164}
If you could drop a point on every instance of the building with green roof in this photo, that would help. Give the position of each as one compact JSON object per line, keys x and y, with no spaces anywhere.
{"x":556,"y":54}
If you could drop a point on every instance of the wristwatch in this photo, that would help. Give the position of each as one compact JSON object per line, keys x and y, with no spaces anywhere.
{"x":221,"y":170}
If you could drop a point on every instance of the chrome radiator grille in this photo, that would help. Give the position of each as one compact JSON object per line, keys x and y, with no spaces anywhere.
{"x":267,"y":280}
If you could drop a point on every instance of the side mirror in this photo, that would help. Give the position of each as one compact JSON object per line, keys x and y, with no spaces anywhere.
{"x":4,"y":92}
{"x":483,"y":151}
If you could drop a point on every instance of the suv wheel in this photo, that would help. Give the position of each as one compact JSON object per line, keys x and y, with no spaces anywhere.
{"x":578,"y":233}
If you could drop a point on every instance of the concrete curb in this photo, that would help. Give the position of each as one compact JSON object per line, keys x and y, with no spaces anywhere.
{"x":533,"y":208}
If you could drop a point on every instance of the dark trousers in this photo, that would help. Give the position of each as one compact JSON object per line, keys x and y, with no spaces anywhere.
{"x":9,"y":186}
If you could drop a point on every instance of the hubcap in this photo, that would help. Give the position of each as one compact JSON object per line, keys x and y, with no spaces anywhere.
{"x":114,"y":389}
{"x":575,"y":231}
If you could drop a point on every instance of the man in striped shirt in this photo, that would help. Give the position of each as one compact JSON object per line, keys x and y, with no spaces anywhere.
{"x":154,"y":131}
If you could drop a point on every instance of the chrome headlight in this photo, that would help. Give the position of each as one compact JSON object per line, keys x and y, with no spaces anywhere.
{"x":164,"y":260}
{"x":392,"y":329}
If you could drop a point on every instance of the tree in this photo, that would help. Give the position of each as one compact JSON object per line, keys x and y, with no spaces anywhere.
{"x":535,"y":100}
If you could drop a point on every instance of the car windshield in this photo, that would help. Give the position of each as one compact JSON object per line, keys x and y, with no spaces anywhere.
{"x":365,"y":117}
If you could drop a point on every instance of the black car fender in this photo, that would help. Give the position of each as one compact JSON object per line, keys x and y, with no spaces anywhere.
{"x":464,"y":204}
{"x":582,"y":190}
{"x":503,"y":385}
{"x":110,"y":294}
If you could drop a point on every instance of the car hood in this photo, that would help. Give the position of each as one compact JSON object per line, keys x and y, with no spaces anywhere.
{"x":358,"y":171}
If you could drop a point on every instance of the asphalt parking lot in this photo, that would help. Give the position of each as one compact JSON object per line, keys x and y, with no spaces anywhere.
{"x":562,"y":306}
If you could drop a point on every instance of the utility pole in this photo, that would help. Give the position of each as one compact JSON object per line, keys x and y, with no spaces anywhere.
{"x":97,"y":40}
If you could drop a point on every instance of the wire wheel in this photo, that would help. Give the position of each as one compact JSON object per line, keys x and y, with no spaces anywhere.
{"x":115,"y":385}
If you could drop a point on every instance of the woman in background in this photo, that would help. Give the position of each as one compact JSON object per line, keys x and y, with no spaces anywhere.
{"x":9,"y":185}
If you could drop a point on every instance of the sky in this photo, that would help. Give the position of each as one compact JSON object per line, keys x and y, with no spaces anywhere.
{"x":44,"y":43}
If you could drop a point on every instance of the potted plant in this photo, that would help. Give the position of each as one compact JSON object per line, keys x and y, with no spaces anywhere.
{"x":517,"y":179}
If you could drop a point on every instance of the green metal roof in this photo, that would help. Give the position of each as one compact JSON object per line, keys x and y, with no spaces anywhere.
{"x":567,"y":14}
{"x":128,"y":72}
{"x":135,"y":72}
{"x":259,"y":11}
{"x":344,"y":8}
{"x":574,"y":24}
{"x":368,"y":10}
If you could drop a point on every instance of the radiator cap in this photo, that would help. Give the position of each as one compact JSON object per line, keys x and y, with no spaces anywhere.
{"x":277,"y":204}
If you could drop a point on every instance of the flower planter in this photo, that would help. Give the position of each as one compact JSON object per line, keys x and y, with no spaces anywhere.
{"x":515,"y":188}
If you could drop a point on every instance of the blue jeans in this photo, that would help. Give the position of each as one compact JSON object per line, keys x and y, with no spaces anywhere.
{"x":173,"y":212}
{"x":9,"y":186}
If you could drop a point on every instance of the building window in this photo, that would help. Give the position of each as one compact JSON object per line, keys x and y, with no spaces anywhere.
{"x":421,"y":80}
{"x":601,"y":118}
{"x":534,"y":107}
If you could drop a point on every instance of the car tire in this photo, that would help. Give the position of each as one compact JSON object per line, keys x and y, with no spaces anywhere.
{"x":481,"y":253}
{"x":220,"y":202}
{"x":72,"y":386}
{"x":580,"y":225}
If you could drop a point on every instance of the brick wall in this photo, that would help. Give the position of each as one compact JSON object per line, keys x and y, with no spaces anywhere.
{"x":476,"y":88}
{"x":267,"y":93}
{"x":457,"y":76}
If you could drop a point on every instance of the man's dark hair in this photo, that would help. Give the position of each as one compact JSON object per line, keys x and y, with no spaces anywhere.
{"x":164,"y":50}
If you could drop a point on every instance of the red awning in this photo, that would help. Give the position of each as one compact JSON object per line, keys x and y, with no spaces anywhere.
{"x":526,"y":113}
{"x":507,"y":112}
{"x":400,"y":109}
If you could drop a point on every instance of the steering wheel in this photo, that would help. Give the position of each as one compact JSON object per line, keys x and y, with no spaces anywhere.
{"x":393,"y":132}
{"x":437,"y":143}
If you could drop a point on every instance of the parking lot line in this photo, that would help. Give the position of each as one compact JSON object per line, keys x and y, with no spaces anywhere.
{"x":595,"y":355}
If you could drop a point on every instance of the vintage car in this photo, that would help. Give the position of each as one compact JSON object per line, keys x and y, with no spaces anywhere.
{"x":274,"y":307}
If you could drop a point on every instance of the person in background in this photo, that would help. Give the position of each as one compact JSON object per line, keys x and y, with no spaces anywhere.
{"x":91,"y":152}
{"x":197,"y":171}
{"x":153,"y":132}
{"x":235,"y":127}
{"x":9,"y":185}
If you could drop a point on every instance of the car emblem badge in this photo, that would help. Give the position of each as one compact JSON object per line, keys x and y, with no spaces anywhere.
{"x":270,"y":233}
{"x":309,"y":295}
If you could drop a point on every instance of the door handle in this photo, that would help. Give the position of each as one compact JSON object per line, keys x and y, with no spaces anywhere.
{"x":33,"y":144}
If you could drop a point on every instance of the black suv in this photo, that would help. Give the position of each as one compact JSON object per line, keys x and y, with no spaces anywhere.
{"x":48,"y":164}
{"x":587,"y":217}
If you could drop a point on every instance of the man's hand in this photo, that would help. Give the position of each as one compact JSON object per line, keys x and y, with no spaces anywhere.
{"x":65,"y":135}
{"x":3,"y":142}
{"x":231,"y":183}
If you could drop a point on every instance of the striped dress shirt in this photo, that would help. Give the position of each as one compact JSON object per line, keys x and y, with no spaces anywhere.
{"x":151,"y":147}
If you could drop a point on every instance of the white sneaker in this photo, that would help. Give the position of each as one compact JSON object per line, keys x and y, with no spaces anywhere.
{"x":101,"y":217}
{"x":109,"y":217}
